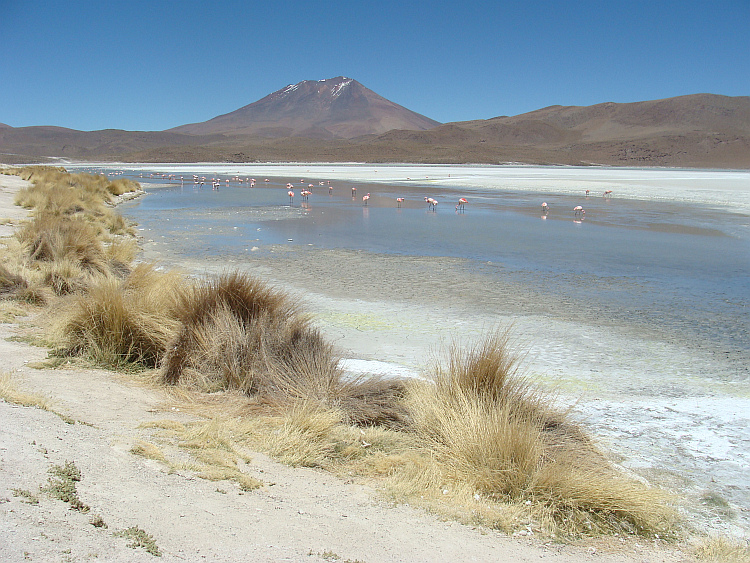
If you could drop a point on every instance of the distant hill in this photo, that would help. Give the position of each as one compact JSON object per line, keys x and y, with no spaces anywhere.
{"x":701,"y":130}
{"x":325,"y":109}
{"x":339,"y":120}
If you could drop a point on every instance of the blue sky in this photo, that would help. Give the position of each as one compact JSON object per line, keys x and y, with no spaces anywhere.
{"x":152,"y":65}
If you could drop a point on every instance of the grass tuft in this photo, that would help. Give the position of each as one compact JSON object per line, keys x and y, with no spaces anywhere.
{"x":140,"y":538}
{"x":239,"y":333}
{"x":723,"y":550}
{"x":120,"y":322}
{"x":10,"y":393}
{"x":62,"y":485}
{"x":489,"y":433}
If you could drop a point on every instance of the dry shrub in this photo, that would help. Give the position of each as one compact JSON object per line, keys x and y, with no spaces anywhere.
{"x":122,"y":186}
{"x":64,"y":276}
{"x":239,"y":333}
{"x":303,"y":437}
{"x":53,"y":238}
{"x":723,"y":550}
{"x":490,"y":432}
{"x":10,"y":283}
{"x":120,"y":254}
{"x":15,"y":286}
{"x":122,"y":321}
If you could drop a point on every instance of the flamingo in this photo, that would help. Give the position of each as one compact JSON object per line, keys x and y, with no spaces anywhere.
{"x":399,"y":200}
{"x":588,"y":192}
{"x":461,"y":203}
{"x":305,"y":194}
{"x":330,"y":189}
{"x":608,"y":193}
{"x":545,"y":208}
{"x":354,"y":191}
{"x":431,"y":203}
{"x":365,"y":199}
{"x":579,"y":211}
{"x":290,"y":193}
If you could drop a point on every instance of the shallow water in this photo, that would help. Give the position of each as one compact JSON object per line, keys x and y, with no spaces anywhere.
{"x":685,"y":267}
{"x":640,"y":309}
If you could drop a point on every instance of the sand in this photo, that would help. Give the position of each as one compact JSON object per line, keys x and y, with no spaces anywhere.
{"x":305,"y":515}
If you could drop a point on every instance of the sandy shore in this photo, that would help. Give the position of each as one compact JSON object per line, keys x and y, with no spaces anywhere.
{"x":299,"y":515}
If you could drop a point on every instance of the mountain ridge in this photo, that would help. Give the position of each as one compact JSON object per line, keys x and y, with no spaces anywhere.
{"x":339,"y":120}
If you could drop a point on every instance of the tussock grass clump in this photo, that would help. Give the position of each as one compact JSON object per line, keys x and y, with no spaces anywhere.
{"x":239,"y":333}
{"x":723,"y":550}
{"x":493,"y":435}
{"x":52,"y":238}
{"x":118,"y":322}
{"x":10,"y":283}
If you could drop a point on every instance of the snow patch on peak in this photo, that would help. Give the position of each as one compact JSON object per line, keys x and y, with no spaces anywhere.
{"x":336,"y":90}
{"x":285,"y":91}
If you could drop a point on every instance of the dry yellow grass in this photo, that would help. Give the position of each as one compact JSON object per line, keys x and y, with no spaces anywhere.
{"x":723,"y":550}
{"x":10,"y":393}
{"x":486,"y":431}
{"x":73,"y":234}
{"x":239,"y":333}
{"x":119,"y":322}
{"x":478,"y":442}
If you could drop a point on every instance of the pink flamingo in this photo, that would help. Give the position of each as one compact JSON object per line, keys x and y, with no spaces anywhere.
{"x":545,"y":208}
{"x":365,"y":199}
{"x":330,"y":189}
{"x":290,"y":193}
{"x":588,"y":192}
{"x":608,"y":193}
{"x":354,"y":191}
{"x":579,"y":211}
{"x":305,"y":194}
{"x":461,"y":203}
{"x":399,"y":200}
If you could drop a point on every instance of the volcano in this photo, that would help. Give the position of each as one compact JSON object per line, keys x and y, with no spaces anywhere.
{"x":335,"y":108}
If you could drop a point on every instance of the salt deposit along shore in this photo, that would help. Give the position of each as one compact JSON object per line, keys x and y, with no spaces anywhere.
{"x":306,"y":514}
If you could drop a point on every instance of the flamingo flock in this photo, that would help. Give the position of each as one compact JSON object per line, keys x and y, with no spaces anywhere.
{"x":216,"y":182}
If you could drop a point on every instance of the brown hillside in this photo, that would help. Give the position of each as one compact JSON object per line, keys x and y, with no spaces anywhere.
{"x":325,"y":109}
